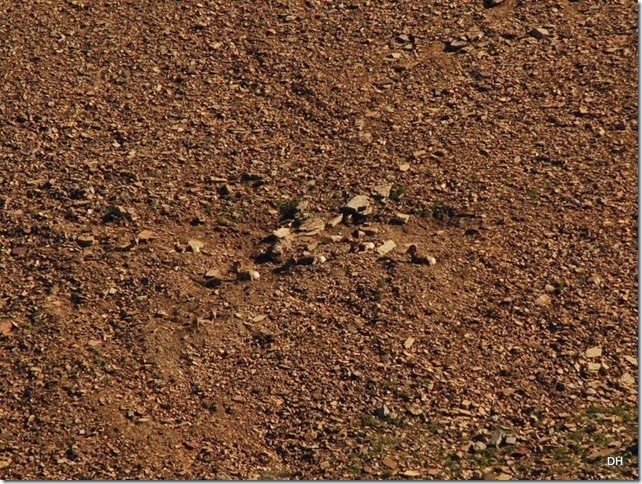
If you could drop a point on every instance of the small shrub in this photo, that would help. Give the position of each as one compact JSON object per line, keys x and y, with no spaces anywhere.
{"x":396,"y":192}
{"x":287,"y":208}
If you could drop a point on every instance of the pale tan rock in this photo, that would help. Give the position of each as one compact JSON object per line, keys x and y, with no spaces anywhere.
{"x":594,"y":352}
{"x":85,"y":240}
{"x":195,"y":245}
{"x":146,"y":236}
{"x":386,"y":247}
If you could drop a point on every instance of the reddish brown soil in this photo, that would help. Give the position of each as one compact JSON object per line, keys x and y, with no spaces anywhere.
{"x":515,"y":157}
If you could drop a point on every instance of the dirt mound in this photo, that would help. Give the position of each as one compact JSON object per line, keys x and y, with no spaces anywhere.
{"x":313,"y":239}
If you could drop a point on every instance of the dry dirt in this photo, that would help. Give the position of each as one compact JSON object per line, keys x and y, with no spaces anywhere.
{"x":145,"y":143}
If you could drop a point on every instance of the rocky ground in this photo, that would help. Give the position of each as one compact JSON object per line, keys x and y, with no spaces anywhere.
{"x":318,"y":239}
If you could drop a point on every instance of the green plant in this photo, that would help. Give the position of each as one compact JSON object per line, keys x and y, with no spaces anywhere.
{"x":378,"y":293}
{"x":369,"y":421}
{"x":431,"y":427}
{"x":37,"y":318}
{"x":396,"y":192}
{"x":382,"y":444}
{"x":287,"y":208}
{"x":532,"y":193}
{"x":442,"y":211}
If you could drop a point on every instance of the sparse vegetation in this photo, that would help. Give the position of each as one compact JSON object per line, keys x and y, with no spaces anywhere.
{"x":396,"y":192}
{"x":287,"y":208}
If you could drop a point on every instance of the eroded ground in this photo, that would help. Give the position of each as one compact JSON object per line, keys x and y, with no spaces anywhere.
{"x":144,"y":144}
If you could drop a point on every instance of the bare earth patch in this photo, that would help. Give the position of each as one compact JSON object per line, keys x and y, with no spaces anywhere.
{"x":310,"y":239}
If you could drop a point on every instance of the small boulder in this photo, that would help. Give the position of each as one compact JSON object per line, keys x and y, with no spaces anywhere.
{"x":539,"y":33}
{"x":195,"y":245}
{"x":85,"y":240}
{"x":360,"y":203}
{"x":400,"y":218}
{"x":386,"y":247}
{"x":456,"y":45}
{"x":145,"y":236}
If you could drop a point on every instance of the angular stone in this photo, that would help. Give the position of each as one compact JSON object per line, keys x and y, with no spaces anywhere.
{"x":479,"y":447}
{"x":630,"y":359}
{"x":281,"y":232}
{"x":5,"y":327}
{"x":627,"y":379}
{"x":411,"y":473}
{"x":383,"y":191}
{"x":146,"y":236}
{"x":312,"y":225}
{"x":594,"y":367}
{"x":213,"y":278}
{"x":359,"y":203}
{"x":306,"y":260}
{"x":248,"y":275}
{"x":195,"y":245}
{"x":539,"y":33}
{"x":455,"y":45}
{"x":366,"y":246}
{"x":214,"y":273}
{"x":85,"y":240}
{"x":594,"y":352}
{"x":389,"y":463}
{"x":386,"y":247}
{"x":334,"y":221}
{"x":543,"y":300}
{"x":409,"y":342}
{"x":18,"y":251}
{"x":400,"y":218}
